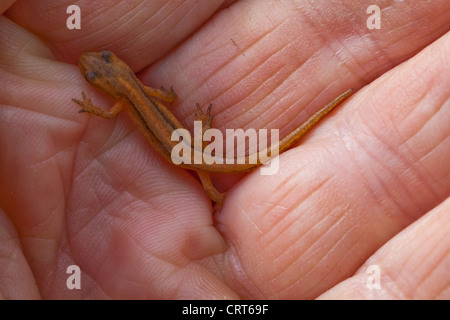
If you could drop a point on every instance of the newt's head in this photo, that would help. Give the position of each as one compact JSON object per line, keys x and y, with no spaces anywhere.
{"x":105,"y":71}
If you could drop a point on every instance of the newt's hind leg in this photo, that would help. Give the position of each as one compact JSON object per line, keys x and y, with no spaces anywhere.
{"x":204,"y":117}
{"x":211,"y":191}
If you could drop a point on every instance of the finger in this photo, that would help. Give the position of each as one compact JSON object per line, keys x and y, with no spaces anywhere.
{"x":374,"y":168}
{"x":280,"y":61}
{"x":139,"y":33}
{"x":413,"y":265}
{"x":16,"y":279}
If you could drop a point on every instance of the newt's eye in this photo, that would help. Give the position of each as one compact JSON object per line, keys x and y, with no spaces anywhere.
{"x":106,"y":55}
{"x":90,"y":75}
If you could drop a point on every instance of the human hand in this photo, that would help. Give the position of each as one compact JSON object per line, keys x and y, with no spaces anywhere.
{"x":80,"y":190}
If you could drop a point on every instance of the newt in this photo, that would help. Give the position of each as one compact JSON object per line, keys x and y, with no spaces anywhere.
{"x":156,"y":122}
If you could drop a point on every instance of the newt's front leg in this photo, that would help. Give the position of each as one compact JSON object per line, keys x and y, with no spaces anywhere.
{"x":89,"y":107}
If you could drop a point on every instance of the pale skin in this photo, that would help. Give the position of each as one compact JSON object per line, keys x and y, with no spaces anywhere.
{"x":365,"y":187}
